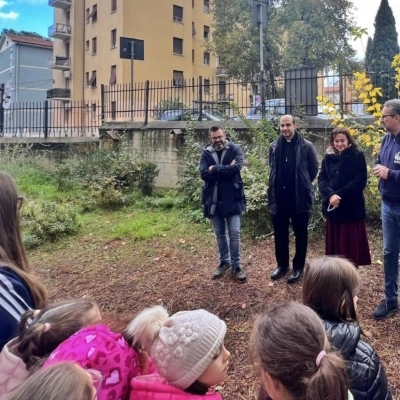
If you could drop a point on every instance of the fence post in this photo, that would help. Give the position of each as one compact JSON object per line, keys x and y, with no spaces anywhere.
{"x":200,"y":98}
{"x":1,"y":109}
{"x":146,"y":102}
{"x":103,"y":106}
{"x":46,"y":119}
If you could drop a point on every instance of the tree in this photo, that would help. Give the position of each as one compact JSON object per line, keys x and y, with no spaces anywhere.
{"x":23,"y":33}
{"x":384,"y":47}
{"x":307,"y":32}
{"x":368,"y":52}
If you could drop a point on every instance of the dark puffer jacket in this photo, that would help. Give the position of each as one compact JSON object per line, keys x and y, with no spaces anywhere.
{"x":346,"y":176}
{"x":367,"y":376}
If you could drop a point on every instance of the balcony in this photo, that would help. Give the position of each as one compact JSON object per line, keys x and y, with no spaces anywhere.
{"x":224,"y":97}
{"x":60,"y":94}
{"x":221,"y":71}
{"x":63,"y":4}
{"x":60,"y":31}
{"x":61,"y":63}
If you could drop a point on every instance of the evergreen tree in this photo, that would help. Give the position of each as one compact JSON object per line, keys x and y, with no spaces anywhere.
{"x":368,"y":54}
{"x":384,"y":47}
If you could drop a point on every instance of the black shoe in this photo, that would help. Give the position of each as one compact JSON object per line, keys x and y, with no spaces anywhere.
{"x":278,"y":273}
{"x":220,"y":271}
{"x":295,"y":276}
{"x":239,"y":275}
{"x":385,"y":309}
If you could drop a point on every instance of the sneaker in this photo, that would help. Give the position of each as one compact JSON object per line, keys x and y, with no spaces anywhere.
{"x":239,"y":275}
{"x":220,"y":271}
{"x":385,"y":309}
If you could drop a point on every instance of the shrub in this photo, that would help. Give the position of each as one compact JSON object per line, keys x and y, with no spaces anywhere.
{"x":48,"y":221}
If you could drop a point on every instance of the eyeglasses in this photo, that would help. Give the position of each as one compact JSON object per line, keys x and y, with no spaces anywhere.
{"x":97,"y":379}
{"x":216,"y":138}
{"x":20,"y":200}
{"x":388,"y":115}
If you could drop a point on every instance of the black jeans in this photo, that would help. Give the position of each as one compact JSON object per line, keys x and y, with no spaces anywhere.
{"x":281,"y":223}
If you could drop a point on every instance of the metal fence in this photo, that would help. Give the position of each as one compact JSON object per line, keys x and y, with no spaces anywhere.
{"x":149,"y":101}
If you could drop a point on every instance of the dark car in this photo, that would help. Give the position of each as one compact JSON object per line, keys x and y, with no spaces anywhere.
{"x":182,"y":115}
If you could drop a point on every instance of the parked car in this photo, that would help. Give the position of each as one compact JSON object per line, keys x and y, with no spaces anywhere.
{"x":181,"y":115}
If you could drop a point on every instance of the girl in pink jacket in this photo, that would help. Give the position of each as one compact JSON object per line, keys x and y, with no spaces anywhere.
{"x":187,"y":350}
{"x":40,"y":332}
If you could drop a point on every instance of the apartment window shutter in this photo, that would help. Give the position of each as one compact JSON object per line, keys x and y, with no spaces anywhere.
{"x":92,"y":79}
{"x":113,"y":77}
{"x":94,"y":10}
{"x":178,"y":78}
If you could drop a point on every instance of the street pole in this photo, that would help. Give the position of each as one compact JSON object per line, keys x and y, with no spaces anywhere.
{"x":262,"y":71}
{"x":132,"y":82}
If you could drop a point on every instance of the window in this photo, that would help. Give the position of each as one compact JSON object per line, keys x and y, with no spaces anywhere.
{"x":177,"y":13}
{"x":68,"y":17}
{"x":93,"y":14}
{"x":113,"y":38}
{"x":87,"y":45}
{"x":92,"y":81}
{"x":178,"y":46}
{"x":113,"y":5}
{"x":206,"y":58}
{"x":206,"y":32}
{"x":94,"y":111}
{"x":206,"y":86}
{"x":87,"y":78}
{"x":178,"y":79}
{"x":193,"y":29}
{"x":113,"y":77}
{"x":222,"y":87}
{"x":94,"y":45}
{"x":192,"y":3}
{"x":193,"y":56}
{"x":206,"y":6}
{"x":113,"y":110}
{"x":87,"y":15}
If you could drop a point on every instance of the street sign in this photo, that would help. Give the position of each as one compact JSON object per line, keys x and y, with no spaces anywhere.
{"x":259,"y":13}
{"x":125,"y":48}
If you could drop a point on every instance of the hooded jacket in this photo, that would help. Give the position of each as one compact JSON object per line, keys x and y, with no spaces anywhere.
{"x":223,"y":186}
{"x":306,"y":171}
{"x":368,"y":379}
{"x":345,"y":175}
{"x":154,"y":387}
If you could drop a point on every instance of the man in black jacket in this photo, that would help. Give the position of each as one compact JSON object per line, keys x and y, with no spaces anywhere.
{"x":293,"y":167}
{"x":223,"y":198}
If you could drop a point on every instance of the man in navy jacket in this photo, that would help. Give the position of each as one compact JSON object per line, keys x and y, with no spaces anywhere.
{"x":223,"y":198}
{"x":387,"y":169}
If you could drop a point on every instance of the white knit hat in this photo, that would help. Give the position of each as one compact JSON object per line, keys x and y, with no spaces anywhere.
{"x":185,"y":346}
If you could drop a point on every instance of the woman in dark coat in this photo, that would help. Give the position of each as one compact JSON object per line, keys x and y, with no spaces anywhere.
{"x":341,"y":181}
{"x":330,"y":287}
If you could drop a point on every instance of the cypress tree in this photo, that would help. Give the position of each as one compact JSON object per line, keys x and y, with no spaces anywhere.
{"x":384,"y":47}
{"x":368,"y":51}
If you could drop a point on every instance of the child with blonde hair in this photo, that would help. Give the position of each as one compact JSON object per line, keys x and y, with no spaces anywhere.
{"x":64,"y":381}
{"x":41,"y":331}
{"x":294,"y":357}
{"x":330,"y":288}
{"x":188,"y":351}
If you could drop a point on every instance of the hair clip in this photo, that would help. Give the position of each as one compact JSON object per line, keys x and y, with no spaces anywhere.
{"x":46,"y":327}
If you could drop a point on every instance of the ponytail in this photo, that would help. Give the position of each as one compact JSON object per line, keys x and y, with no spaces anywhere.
{"x":330,"y":382}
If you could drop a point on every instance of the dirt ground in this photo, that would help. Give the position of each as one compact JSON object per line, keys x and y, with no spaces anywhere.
{"x":124,"y":277}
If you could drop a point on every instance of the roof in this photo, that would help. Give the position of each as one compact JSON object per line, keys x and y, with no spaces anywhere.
{"x":30,"y":40}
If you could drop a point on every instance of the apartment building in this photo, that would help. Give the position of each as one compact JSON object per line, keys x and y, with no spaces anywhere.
{"x":87,"y":44}
{"x":23,"y":67}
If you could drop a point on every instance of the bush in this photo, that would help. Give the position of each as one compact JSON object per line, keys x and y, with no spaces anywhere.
{"x":48,"y":221}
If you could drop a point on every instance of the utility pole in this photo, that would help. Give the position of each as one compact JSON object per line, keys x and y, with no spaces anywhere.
{"x":260,"y":20}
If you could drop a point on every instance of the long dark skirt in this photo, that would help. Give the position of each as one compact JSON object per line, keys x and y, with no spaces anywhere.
{"x":349,"y":240}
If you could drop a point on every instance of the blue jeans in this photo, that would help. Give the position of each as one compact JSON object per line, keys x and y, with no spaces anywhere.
{"x":391,"y":249}
{"x":229,"y":253}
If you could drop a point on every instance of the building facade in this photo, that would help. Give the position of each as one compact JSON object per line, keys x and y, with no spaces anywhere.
{"x":87,"y":37}
{"x":23,"y":67}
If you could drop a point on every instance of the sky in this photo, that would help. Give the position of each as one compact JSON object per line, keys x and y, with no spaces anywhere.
{"x":37,"y":16}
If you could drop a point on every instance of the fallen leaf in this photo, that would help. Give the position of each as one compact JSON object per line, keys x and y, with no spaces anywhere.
{"x":157,"y":259}
{"x":182,"y":241}
{"x":244,"y":305}
{"x":379,"y":262}
{"x":270,"y":284}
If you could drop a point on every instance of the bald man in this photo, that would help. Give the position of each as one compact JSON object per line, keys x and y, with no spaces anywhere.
{"x":293,"y":167}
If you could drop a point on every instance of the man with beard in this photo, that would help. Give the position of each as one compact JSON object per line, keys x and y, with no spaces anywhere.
{"x":387,"y":169}
{"x":293,"y":166}
{"x":223,"y":198}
